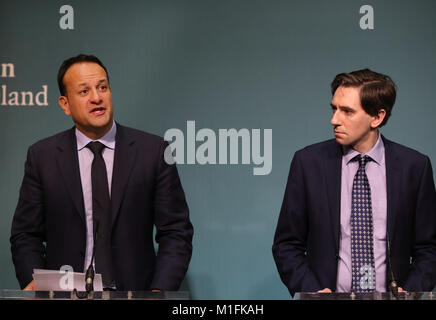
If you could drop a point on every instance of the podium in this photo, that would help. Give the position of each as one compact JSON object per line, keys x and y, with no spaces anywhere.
{"x":366,"y":296}
{"x":6,"y":294}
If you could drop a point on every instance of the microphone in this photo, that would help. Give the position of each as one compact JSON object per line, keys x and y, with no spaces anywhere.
{"x":89,"y":276}
{"x":393,"y":286}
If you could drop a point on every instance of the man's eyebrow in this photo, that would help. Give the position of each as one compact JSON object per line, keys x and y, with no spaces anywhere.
{"x":341,"y":107}
{"x":346,"y":108}
{"x":86,"y":83}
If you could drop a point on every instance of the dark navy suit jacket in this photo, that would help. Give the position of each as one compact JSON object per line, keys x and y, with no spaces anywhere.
{"x":306,"y":242}
{"x":49,"y":229}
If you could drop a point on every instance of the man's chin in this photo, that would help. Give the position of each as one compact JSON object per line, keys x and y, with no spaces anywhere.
{"x":101,"y":123}
{"x":341,"y":141}
{"x":95,"y":128}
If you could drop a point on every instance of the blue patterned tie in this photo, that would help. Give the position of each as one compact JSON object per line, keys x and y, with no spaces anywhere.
{"x":362,"y":249}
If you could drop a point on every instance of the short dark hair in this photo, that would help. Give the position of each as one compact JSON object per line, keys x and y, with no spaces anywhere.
{"x":377,"y":91}
{"x":73,"y":60}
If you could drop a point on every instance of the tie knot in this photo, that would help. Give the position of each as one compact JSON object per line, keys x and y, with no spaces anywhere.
{"x":362,"y":160}
{"x":96,"y":147}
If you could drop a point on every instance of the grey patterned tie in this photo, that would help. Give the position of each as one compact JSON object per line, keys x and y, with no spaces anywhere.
{"x":362,"y":249}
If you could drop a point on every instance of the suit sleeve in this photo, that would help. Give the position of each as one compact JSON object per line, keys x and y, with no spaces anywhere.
{"x":27,"y":232}
{"x":174,"y":230}
{"x":290,"y":240}
{"x":422,"y":276}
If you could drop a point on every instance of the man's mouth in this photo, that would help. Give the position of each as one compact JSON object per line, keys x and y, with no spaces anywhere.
{"x":98,"y":111}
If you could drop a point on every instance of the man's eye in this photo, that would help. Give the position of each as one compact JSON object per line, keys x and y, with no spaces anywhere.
{"x":103,"y":88}
{"x":83,"y":91}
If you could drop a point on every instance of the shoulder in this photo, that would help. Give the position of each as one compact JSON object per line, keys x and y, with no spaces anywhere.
{"x":140,"y":138}
{"x":404,"y":153}
{"x":320,"y":149}
{"x":51,"y":142}
{"x":138,"y":134}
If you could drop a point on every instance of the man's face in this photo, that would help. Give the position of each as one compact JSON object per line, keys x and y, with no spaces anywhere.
{"x":88,"y":99}
{"x":352,"y":125}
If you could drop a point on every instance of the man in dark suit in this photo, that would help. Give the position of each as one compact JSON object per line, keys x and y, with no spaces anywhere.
{"x":359,"y":211}
{"x":105,"y":184}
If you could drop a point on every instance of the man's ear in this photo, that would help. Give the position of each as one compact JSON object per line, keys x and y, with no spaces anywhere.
{"x":63,"y":103}
{"x":378,"y":118}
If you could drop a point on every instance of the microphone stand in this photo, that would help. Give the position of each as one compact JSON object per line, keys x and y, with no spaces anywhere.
{"x":393,"y":286}
{"x":89,"y":276}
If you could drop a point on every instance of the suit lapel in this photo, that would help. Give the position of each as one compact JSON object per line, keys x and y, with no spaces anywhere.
{"x":124,"y":158}
{"x":393,"y":180}
{"x":68,"y":163}
{"x":333,"y":165}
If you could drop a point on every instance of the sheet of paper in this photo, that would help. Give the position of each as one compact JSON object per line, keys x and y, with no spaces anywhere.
{"x":55,"y":280}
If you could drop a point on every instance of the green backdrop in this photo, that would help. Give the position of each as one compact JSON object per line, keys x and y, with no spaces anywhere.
{"x":223,"y":64}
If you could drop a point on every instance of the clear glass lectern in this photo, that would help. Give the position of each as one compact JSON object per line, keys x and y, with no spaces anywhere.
{"x":366,"y":296}
{"x":6,"y":294}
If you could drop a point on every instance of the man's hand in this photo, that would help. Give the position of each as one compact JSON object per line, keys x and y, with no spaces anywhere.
{"x":401,"y":290}
{"x":31,"y":286}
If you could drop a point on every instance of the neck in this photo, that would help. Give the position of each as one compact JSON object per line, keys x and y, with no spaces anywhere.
{"x":368,"y":143}
{"x":95,"y":133}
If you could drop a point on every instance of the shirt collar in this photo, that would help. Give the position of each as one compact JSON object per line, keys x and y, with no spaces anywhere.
{"x":108,"y":139}
{"x":376,"y":153}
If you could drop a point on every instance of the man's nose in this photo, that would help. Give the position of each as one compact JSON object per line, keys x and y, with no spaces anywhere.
{"x":335,"y":119}
{"x":95,"y":97}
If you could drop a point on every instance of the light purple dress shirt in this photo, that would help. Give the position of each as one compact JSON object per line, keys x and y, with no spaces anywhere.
{"x":85,"y":162}
{"x":376,"y":173}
